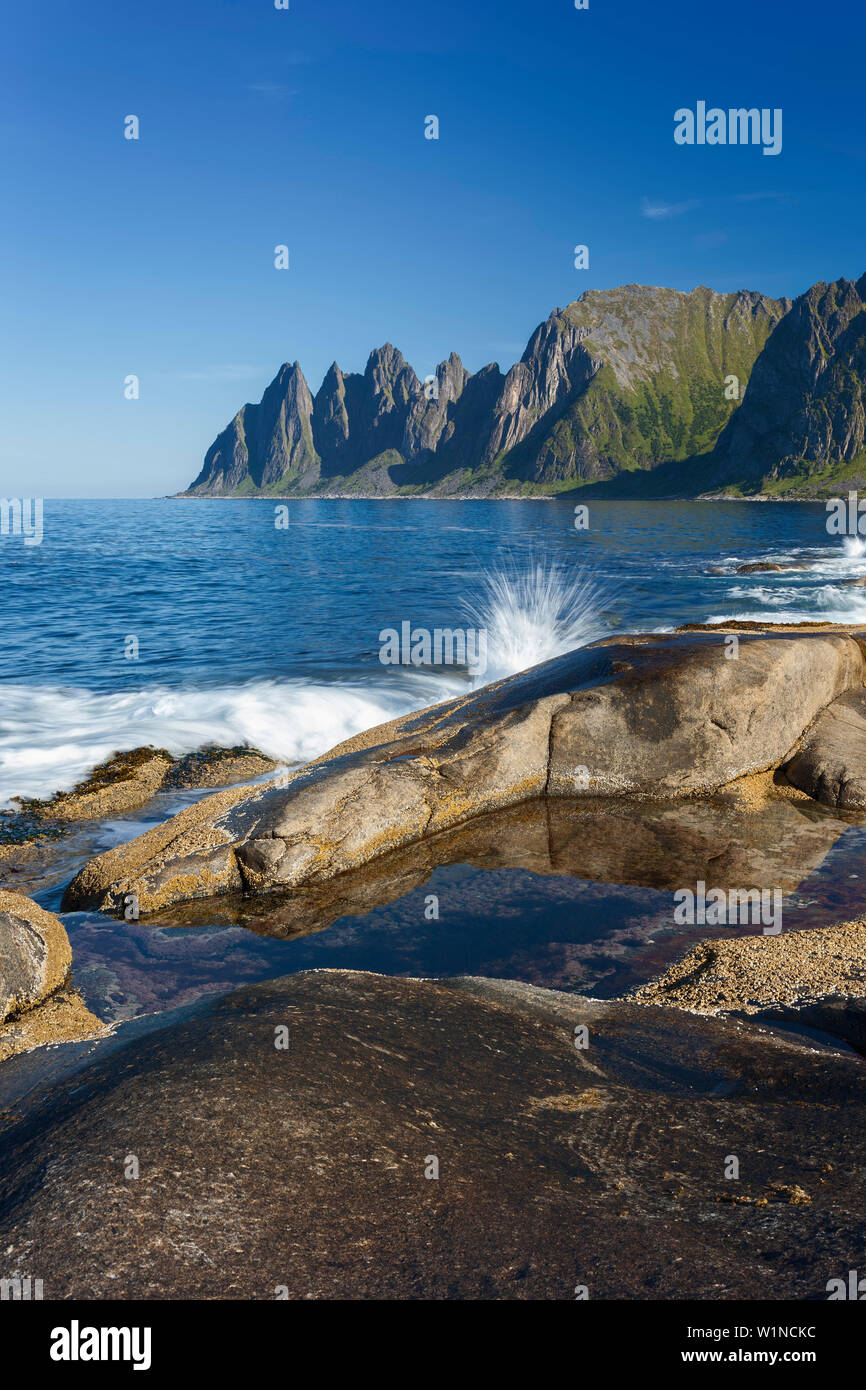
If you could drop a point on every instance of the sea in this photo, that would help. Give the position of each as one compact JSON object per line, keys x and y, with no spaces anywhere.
{"x":182,"y":623}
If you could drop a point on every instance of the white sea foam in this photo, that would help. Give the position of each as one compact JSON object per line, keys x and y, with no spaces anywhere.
{"x":829,"y":603}
{"x":51,"y":737}
{"x":817,"y":594}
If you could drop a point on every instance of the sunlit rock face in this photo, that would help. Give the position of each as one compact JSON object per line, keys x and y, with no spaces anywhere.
{"x":642,"y":718}
{"x":35,"y":955}
{"x":620,"y":380}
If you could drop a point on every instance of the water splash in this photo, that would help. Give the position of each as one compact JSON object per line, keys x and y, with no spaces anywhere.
{"x":854,"y":547}
{"x":51,"y":736}
{"x":535,"y":615}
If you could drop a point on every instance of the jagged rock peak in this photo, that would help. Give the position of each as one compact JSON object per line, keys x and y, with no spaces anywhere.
{"x":622,"y":381}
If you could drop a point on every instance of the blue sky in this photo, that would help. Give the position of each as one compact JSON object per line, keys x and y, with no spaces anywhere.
{"x":306,"y":127}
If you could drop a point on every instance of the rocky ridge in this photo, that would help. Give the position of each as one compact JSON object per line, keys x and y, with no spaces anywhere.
{"x":619,"y":379}
{"x":804,"y":415}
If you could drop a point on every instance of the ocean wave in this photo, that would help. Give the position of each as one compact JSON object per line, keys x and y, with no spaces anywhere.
{"x":51,"y":737}
{"x":787,"y":603}
{"x":535,"y":613}
{"x":818,"y":562}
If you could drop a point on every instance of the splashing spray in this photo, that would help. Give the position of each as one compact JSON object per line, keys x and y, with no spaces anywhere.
{"x":535,"y":615}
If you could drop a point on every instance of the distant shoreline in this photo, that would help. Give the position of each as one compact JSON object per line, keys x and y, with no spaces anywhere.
{"x":468,"y":497}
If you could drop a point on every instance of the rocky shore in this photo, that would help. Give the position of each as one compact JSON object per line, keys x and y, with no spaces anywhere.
{"x":643,"y":718}
{"x":36,"y":1004}
{"x":338,"y":1134}
{"x":35,"y":831}
{"x":341,"y":1135}
{"x":126,"y":782}
{"x":757,"y":974}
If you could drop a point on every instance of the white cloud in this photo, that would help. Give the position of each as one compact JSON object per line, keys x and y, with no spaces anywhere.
{"x":659,"y":211}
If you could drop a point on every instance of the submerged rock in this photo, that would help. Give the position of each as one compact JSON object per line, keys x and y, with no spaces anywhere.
{"x":647,"y":718}
{"x":341,"y":1135}
{"x":769,"y":566}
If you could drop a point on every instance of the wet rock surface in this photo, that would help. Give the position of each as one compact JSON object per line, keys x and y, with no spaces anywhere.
{"x":217,"y":767}
{"x":768,"y":567}
{"x":125,"y":782}
{"x":304,"y":1168}
{"x":840,"y":1016}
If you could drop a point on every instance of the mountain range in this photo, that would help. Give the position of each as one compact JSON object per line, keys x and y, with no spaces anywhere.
{"x":629,"y":392}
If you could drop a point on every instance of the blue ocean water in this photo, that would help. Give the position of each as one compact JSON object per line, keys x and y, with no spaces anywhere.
{"x":183,"y":622}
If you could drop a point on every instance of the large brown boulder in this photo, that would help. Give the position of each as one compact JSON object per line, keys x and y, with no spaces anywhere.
{"x":682,"y":717}
{"x":654,"y":717}
{"x":831,"y":763}
{"x":341,"y":1135}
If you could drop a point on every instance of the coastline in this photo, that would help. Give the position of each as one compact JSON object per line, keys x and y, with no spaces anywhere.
{"x":471,"y":497}
{"x":766,"y":1031}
